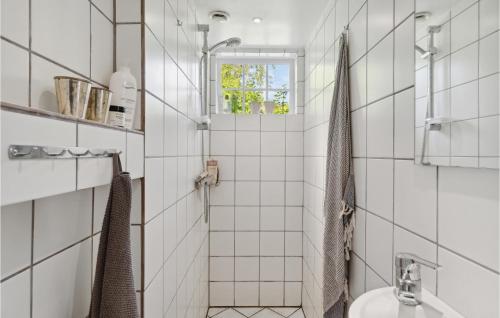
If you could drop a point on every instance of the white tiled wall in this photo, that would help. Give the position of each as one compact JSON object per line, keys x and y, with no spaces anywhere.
{"x":55,"y":240}
{"x":49,"y":38}
{"x":175,"y":234}
{"x":256,"y":211}
{"x":465,"y":88}
{"x":447,"y":215}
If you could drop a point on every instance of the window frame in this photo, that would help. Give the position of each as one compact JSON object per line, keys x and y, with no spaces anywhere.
{"x":267,"y":60}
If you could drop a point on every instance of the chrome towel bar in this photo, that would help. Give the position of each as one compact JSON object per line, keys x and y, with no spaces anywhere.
{"x":50,"y":152}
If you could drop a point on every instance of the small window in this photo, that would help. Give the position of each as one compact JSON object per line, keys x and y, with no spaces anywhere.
{"x":257,"y":85}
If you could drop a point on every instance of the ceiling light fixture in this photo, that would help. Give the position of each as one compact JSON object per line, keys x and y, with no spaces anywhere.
{"x":257,"y":20}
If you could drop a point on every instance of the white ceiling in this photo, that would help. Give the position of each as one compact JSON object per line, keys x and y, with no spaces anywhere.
{"x":287,"y":23}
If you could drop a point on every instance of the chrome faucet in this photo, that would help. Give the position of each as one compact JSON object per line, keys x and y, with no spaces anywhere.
{"x":408,"y":278}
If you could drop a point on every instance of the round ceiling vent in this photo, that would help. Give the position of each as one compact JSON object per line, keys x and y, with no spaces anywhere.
{"x":219,"y":16}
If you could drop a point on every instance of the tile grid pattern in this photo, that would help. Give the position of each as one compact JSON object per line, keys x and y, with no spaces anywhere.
{"x":466,"y":84}
{"x":400,"y":206}
{"x":261,"y":195}
{"x":56,"y":232}
{"x":34,"y":245}
{"x":175,"y":234}
{"x":29,"y":61}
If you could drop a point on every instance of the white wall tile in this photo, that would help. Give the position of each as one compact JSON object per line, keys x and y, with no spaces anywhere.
{"x":135,"y":155}
{"x":247,"y":143}
{"x":153,"y":297}
{"x":379,"y":187}
{"x":488,"y":136}
{"x":273,"y":123}
{"x":222,"y":143}
{"x":488,"y":96}
{"x":379,"y":245}
{"x":404,"y":114}
{"x":488,"y":11}
{"x":273,"y":143}
{"x":464,"y":28}
{"x":402,"y":8}
{"x":15,"y":21}
{"x":358,"y":120}
{"x":293,"y":218}
{"x":404,"y":48}
{"x":248,"y":168}
{"x":153,"y":248}
{"x":154,"y":66}
{"x":221,"y":218}
{"x":15,"y":73}
{"x":464,"y":64}
{"x":380,"y":20}
{"x":380,"y":69}
{"x":380,"y":129}
{"x":294,"y":168}
{"x":294,"y":193}
{"x":68,"y":273}
{"x":246,"y":268}
{"x":359,"y":237}
{"x":61,"y":221}
{"x":294,"y":143}
{"x":271,"y":243}
{"x":415,"y":198}
{"x":102,"y":47}
{"x":272,"y":193}
{"x":472,"y":277}
{"x":271,"y":293}
{"x":154,"y":121}
{"x":16,"y":296}
{"x":293,"y":244}
{"x":488,"y":55}
{"x":16,"y":237}
{"x":246,"y":293}
{"x":128,"y":53}
{"x":472,"y":208}
{"x":223,"y":194}
{"x":357,"y":277}
{"x":464,"y":101}
{"x":248,"y":122}
{"x":222,"y":244}
{"x":357,"y":80}
{"x":360,"y":181}
{"x":73,"y":40}
{"x":246,"y":193}
{"x":357,"y":35}
{"x":246,"y":243}
{"x":247,"y":218}
{"x":272,"y":268}
{"x":222,"y":268}
{"x":153,"y":187}
{"x":464,"y":138}
{"x":272,"y":218}
{"x":373,"y":280}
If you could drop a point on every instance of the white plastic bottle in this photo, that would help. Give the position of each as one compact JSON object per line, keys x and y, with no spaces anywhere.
{"x":124,"y":87}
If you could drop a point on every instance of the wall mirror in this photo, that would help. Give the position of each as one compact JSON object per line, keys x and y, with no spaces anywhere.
{"x":456,"y":83}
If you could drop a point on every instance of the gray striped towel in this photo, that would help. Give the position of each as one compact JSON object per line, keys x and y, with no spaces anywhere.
{"x":339,"y":194}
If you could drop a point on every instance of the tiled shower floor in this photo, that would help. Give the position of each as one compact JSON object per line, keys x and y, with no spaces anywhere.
{"x":256,"y":312}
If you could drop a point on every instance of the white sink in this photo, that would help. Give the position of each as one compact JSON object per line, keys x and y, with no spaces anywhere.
{"x":382,"y":303}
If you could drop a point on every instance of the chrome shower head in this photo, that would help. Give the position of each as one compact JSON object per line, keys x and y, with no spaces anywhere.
{"x":231,"y":42}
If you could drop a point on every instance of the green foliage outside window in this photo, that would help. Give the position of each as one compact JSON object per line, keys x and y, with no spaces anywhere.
{"x":239,"y":96}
